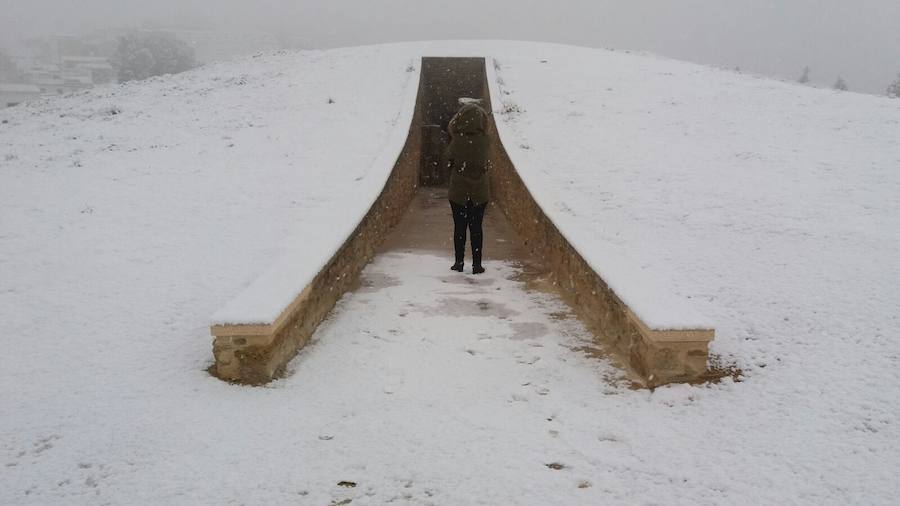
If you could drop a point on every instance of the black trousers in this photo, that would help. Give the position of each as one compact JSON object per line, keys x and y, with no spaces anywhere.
{"x":468,"y":216}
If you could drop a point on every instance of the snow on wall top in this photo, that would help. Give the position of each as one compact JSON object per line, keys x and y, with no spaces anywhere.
{"x":304,"y":257}
{"x":662,"y":172}
{"x":645,"y":294}
{"x":250,"y":143}
{"x":640,"y":277}
{"x":264,"y":300}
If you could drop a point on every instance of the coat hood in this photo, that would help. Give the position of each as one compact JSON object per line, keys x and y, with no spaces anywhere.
{"x":470,"y":120}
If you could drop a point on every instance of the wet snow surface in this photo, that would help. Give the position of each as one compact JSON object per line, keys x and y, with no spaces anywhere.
{"x":131,"y":214}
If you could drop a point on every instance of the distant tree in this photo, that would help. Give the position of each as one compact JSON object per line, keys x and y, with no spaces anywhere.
{"x":840,"y":84}
{"x":143,"y":55}
{"x":8,"y":68}
{"x":804,"y":78}
{"x":893,"y":90}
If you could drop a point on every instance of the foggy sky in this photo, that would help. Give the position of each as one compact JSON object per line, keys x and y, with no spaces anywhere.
{"x":858,"y":39}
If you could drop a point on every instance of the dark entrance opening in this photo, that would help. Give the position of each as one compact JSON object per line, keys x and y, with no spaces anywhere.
{"x":444,"y":81}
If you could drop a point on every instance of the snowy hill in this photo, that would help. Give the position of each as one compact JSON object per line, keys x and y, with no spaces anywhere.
{"x":130,"y":214}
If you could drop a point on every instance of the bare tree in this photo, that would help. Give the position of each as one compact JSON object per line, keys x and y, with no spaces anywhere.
{"x":893,"y":90}
{"x":8,"y":68}
{"x":143,"y":55}
{"x":840,"y":84}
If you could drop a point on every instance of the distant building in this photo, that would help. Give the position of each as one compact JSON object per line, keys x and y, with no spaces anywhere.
{"x":15,"y":94}
{"x":53,"y":80}
{"x":60,"y":64}
{"x":97,"y":68}
{"x":64,"y":64}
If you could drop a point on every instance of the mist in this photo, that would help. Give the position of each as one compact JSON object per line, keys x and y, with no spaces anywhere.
{"x":857,"y":40}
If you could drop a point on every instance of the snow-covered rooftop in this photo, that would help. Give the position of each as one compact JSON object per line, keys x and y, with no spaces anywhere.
{"x":19,"y":88}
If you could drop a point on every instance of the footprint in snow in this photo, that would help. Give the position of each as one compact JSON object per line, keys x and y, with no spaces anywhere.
{"x":528,"y":361}
{"x":394,"y":381}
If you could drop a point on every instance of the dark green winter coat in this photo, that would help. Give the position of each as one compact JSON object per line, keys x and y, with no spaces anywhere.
{"x":468,"y":156}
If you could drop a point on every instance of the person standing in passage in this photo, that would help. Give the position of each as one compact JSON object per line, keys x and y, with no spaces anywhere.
{"x":468,"y":158}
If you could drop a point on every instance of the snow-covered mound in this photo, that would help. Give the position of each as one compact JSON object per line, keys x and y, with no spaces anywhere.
{"x":774,"y":207}
{"x":130,"y":214}
{"x":222,"y":163}
{"x":271,"y":293}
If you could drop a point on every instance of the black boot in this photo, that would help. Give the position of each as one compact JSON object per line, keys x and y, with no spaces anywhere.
{"x":476,"y":255}
{"x":459,"y":235}
{"x":476,"y":214}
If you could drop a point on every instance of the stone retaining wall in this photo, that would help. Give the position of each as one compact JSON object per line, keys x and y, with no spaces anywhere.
{"x":255,"y":354}
{"x":657,"y":357}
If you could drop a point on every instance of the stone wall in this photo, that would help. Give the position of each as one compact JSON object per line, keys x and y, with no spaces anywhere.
{"x":257,"y":357}
{"x":656,"y":358}
{"x":256,"y":354}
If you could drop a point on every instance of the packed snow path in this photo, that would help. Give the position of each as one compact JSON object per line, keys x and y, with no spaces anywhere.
{"x":436,"y":375}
